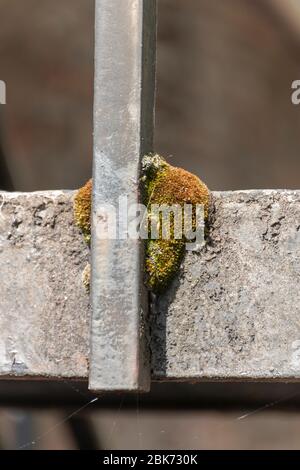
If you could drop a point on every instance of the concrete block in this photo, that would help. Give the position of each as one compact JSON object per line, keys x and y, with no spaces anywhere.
{"x":233,"y":312}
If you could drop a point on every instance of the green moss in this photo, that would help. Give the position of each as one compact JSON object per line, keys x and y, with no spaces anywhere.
{"x":86,"y":278}
{"x":82,"y":214}
{"x":82,"y":210}
{"x":163,"y":259}
{"x":162,"y":184}
{"x":165,"y":184}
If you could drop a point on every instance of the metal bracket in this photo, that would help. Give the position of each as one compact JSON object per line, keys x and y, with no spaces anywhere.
{"x":123,"y":133}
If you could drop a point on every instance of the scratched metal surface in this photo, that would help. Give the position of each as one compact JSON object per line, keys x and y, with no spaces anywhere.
{"x":123,"y":133}
{"x":233,"y":312}
{"x":44,"y":307}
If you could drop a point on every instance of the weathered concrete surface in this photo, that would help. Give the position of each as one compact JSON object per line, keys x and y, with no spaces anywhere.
{"x":43,"y":304}
{"x":233,"y":312}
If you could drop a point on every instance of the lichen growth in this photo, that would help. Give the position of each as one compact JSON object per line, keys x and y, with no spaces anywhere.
{"x":86,"y":277}
{"x":82,"y":210}
{"x":165,"y":184}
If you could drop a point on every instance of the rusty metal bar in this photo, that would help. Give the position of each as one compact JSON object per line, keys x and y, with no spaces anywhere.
{"x":123,"y":133}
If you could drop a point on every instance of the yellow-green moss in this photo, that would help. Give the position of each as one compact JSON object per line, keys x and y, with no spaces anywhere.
{"x":162,"y":184}
{"x":165,"y":184}
{"x":86,"y":277}
{"x":82,"y":214}
{"x":82,"y":210}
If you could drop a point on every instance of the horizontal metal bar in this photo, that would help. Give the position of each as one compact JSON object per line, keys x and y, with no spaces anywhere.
{"x":232,"y":313}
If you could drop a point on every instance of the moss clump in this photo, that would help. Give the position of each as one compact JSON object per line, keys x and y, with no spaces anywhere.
{"x":82,"y":210}
{"x":86,"y":278}
{"x":82,"y":214}
{"x":165,"y":184}
{"x":162,"y":184}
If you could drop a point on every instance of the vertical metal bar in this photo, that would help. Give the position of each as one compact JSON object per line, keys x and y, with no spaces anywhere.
{"x":123,"y":133}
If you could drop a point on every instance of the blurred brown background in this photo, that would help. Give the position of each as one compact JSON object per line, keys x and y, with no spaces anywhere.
{"x":224,"y":84}
{"x":224,"y":111}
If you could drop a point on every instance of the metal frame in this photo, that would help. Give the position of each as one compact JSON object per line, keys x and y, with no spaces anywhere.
{"x":123,"y":133}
